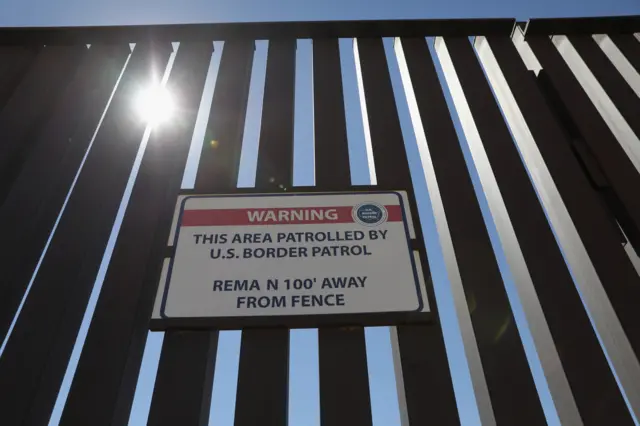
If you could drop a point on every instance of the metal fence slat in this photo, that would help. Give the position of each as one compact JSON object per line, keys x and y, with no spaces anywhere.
{"x":182,"y":392}
{"x":344,"y":379}
{"x":96,"y":395}
{"x":578,"y":352}
{"x":35,"y":359}
{"x":621,"y":94}
{"x":629,"y":46}
{"x":41,"y":186}
{"x":427,"y":382}
{"x":590,"y":242}
{"x":263,"y":375}
{"x":621,"y":175}
{"x":31,"y":104}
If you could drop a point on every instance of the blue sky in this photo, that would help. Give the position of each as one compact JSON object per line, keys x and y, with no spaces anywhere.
{"x":100,"y":12}
{"x":304,"y":404}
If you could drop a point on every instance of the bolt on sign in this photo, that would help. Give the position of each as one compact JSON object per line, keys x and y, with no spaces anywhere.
{"x":295,"y":259}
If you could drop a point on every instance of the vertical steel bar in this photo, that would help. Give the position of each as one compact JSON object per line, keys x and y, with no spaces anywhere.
{"x":617,"y":58}
{"x":603,"y":273}
{"x":262,"y":396}
{"x":275,"y":153}
{"x":564,"y":63}
{"x":629,"y":46}
{"x":184,"y":398}
{"x":622,"y":95}
{"x":573,"y":360}
{"x":41,"y":187}
{"x":332,"y":169}
{"x":344,"y":379}
{"x":220,"y":158}
{"x":31,"y":104}
{"x":615,"y":209}
{"x":95,"y":393}
{"x":508,"y":378}
{"x":427,"y":381}
{"x":184,"y":381}
{"x":624,"y":179}
{"x":35,"y":359}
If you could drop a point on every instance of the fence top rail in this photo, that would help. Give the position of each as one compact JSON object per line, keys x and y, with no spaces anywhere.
{"x":601,"y":25}
{"x":255,"y":31}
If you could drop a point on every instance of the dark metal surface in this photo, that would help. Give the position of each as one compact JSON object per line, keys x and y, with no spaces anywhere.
{"x":618,"y":90}
{"x":182,"y":394}
{"x":254,"y":31}
{"x":629,"y":46}
{"x":593,"y":25}
{"x":14,"y":63}
{"x":31,"y":104}
{"x":600,"y":238}
{"x":422,"y":351}
{"x":615,"y":209}
{"x":41,"y":186}
{"x":498,"y":354}
{"x":118,"y":322}
{"x":332,"y":168}
{"x":589,"y":126}
{"x":344,"y":379}
{"x":185,"y":376}
{"x":220,"y":158}
{"x":592,"y":383}
{"x":614,"y":267}
{"x":263,"y":378}
{"x":275,"y":153}
{"x":509,"y":380}
{"x":263,"y":391}
{"x":35,"y":359}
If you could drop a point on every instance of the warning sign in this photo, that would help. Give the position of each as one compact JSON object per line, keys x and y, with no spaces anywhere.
{"x":292,"y":255}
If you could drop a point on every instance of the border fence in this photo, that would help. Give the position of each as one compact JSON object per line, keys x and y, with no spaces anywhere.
{"x":550,"y":109}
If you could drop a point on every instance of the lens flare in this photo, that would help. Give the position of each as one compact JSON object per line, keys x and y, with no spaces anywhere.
{"x":154,"y":104}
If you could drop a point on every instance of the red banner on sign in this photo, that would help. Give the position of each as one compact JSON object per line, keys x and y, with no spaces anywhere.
{"x":278,"y":216}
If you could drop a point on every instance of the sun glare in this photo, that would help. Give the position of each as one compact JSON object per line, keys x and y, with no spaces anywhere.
{"x":154,"y":104}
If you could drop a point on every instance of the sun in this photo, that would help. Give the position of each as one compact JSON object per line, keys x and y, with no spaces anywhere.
{"x":154,"y":104}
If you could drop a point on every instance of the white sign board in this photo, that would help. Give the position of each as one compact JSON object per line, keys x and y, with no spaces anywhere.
{"x":292,"y":255}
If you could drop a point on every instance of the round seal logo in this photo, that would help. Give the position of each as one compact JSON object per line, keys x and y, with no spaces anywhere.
{"x":369,"y":214}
